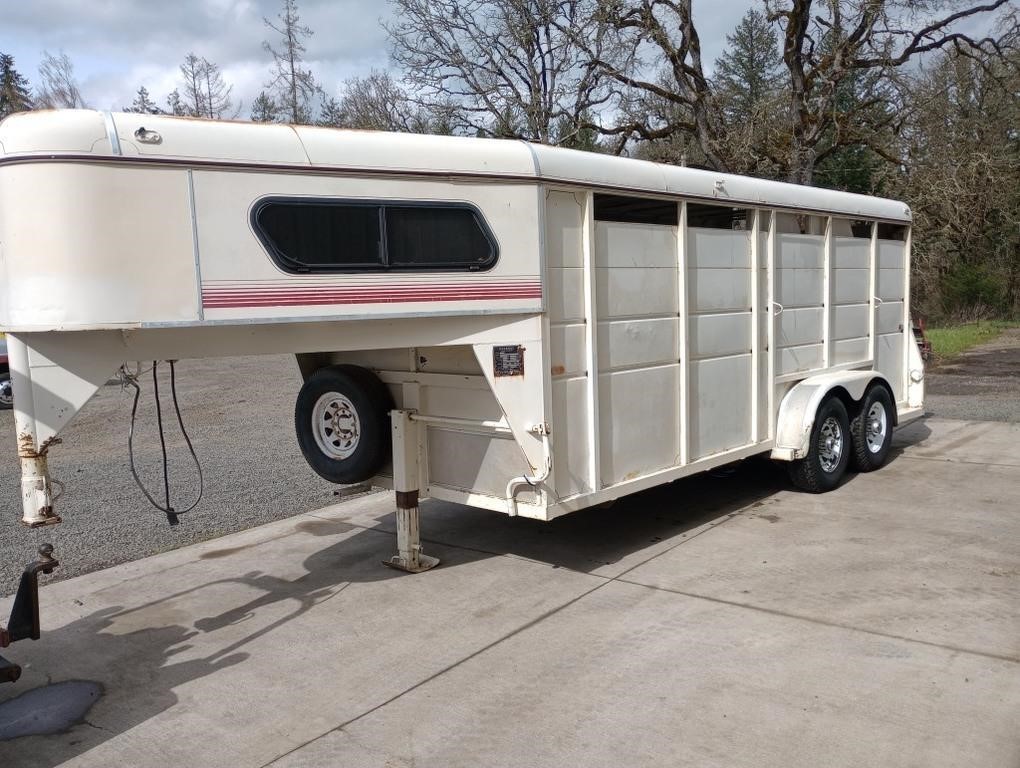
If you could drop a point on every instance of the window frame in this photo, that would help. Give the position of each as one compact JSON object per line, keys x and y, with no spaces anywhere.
{"x":293,"y":267}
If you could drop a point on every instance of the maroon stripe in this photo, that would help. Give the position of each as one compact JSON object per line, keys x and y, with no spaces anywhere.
{"x":309,"y":298}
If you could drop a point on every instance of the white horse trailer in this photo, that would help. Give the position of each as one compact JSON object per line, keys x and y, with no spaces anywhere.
{"x":509,"y":326}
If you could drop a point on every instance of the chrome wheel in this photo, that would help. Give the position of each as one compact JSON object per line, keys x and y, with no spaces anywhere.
{"x":876,"y":427}
{"x":830,"y":444}
{"x":6,"y":393}
{"x":335,"y":425}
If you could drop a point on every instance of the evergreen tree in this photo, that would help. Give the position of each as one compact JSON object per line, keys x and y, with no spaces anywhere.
{"x":143,"y":104}
{"x":264,"y":109}
{"x":15,"y":95}
{"x":748,"y":74}
{"x":331,"y":113}
{"x":176,"y":104}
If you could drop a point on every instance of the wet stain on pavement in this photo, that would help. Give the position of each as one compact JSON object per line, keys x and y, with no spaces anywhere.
{"x":49,"y":709}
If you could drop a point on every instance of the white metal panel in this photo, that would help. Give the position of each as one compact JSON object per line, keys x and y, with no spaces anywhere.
{"x":622,"y":292}
{"x":570,"y":436}
{"x":634,"y":245}
{"x":890,"y":317}
{"x":567,"y":350}
{"x":241,"y":281}
{"x":891,"y":284}
{"x":720,"y":335}
{"x":721,"y":405}
{"x":67,"y":131}
{"x":718,"y":248}
{"x":85,"y":246}
{"x":799,"y":287}
{"x":889,"y":354}
{"x":564,"y":217}
{"x":473,"y":462}
{"x":798,"y":359}
{"x":565,"y":294}
{"x":796,"y":327}
{"x":851,"y":252}
{"x":407,"y":151}
{"x":892,"y":254}
{"x":850,"y":321}
{"x":629,"y":343}
{"x":719,"y":290}
{"x":797,"y":251}
{"x":850,"y":286}
{"x":478,"y":404}
{"x":638,"y":422}
{"x":850,"y":350}
{"x":225,"y":140}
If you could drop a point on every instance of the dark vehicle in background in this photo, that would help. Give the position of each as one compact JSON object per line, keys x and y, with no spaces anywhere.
{"x":6,"y":390}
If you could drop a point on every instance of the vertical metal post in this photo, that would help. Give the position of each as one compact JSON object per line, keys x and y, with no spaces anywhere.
{"x":770,"y":265}
{"x":755,"y":227}
{"x":683,"y":340}
{"x":873,"y":296}
{"x":591,"y":342}
{"x":409,"y":555}
{"x":827,"y":298}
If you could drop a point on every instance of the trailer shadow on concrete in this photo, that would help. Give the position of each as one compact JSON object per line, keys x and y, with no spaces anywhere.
{"x":142,"y":655}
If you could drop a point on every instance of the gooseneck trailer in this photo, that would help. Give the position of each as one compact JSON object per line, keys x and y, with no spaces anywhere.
{"x":514,"y":327}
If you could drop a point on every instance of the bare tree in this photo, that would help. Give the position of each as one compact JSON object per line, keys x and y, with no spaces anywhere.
{"x":58,"y":88}
{"x":292,"y":85}
{"x":962,"y":177}
{"x":206,"y":94}
{"x":510,"y":67}
{"x":825,"y":44}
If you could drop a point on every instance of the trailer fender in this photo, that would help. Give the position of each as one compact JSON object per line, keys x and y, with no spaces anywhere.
{"x":797,"y":411}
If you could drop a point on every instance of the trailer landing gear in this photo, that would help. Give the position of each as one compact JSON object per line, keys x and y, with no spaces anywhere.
{"x":24,"y":621}
{"x":409,"y":555}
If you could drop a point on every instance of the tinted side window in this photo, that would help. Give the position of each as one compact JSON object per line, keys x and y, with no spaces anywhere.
{"x":338,"y":236}
{"x":424,"y":236}
{"x":321,"y":235}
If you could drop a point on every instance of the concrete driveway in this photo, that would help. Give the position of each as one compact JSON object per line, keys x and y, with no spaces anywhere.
{"x":720,"y":621}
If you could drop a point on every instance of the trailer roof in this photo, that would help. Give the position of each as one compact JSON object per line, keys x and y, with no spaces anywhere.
{"x":88,"y":134}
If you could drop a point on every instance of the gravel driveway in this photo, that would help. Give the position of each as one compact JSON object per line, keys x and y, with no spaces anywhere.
{"x":239,"y":413}
{"x":982,"y":384}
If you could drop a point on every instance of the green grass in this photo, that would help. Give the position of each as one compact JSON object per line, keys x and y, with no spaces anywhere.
{"x":950,"y":342}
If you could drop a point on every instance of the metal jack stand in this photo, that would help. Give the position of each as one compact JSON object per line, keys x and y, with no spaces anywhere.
{"x":409,"y":556}
{"x":24,"y":622}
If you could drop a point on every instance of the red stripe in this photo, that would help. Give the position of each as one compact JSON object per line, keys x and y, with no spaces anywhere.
{"x":223,"y":298}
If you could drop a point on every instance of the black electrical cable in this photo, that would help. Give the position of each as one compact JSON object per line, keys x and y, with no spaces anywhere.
{"x":170,"y":512}
{"x":171,"y":516}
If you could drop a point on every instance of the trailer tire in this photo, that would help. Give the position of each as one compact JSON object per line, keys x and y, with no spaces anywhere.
{"x":871,"y":430}
{"x":6,"y":391}
{"x":342,"y":420}
{"x":828,"y":450}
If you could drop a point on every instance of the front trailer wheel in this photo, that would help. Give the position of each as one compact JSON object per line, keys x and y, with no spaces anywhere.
{"x":343,"y":424}
{"x":828,"y":451}
{"x":871,"y":430}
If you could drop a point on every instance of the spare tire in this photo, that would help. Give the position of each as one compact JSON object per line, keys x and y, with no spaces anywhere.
{"x":342,"y":420}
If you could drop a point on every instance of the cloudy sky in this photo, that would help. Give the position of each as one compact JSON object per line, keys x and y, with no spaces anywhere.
{"x":118,"y":45}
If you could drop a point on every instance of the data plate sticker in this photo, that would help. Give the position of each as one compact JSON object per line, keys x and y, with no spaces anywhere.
{"x":508,"y":360}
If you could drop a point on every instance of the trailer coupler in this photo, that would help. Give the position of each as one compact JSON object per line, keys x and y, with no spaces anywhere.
{"x":24,"y":621}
